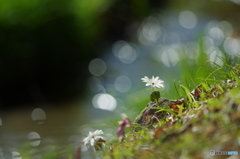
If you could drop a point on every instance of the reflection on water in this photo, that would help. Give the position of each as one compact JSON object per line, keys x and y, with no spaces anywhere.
{"x":16,"y":155}
{"x":187,"y":19}
{"x":35,"y":138}
{"x":40,"y":130}
{"x":231,"y":46}
{"x":97,"y":67}
{"x":51,"y":131}
{"x":123,"y":84}
{"x":168,"y":55}
{"x":150,"y":31}
{"x":38,"y":115}
{"x":124,"y":52}
{"x":104,"y":101}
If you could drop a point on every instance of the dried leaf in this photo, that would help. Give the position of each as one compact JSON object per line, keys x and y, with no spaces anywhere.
{"x":176,"y":104}
{"x":158,"y":132}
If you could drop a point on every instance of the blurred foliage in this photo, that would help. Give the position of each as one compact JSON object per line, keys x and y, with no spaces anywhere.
{"x":46,"y":45}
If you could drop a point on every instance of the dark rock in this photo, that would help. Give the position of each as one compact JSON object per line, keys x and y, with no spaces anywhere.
{"x":151,"y":114}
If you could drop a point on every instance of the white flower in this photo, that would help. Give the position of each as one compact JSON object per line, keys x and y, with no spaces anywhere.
{"x":92,"y":137}
{"x":154,"y":82}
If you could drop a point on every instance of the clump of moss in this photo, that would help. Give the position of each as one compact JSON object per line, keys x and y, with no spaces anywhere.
{"x":208,"y":118}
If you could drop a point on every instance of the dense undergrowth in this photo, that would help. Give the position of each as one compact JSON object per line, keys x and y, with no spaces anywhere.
{"x":207,"y":118}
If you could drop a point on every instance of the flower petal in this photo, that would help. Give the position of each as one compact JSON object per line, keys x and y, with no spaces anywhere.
{"x":98,"y":132}
{"x":98,"y":137}
{"x":120,"y":131}
{"x":92,"y":141}
{"x":86,"y":140}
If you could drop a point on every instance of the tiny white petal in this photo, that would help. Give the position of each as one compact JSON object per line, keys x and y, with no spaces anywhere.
{"x":98,"y":132}
{"x":92,"y":141}
{"x":86,"y":140}
{"x":148,"y":84}
{"x":98,"y":137}
{"x":124,"y":116}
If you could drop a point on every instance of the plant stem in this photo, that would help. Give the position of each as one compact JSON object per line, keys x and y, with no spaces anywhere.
{"x":91,"y":152}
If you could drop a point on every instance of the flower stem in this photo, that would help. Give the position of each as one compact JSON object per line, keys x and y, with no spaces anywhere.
{"x":91,"y":152}
{"x":77,"y":154}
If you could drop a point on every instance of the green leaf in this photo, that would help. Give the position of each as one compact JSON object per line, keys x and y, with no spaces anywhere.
{"x":155,"y":96}
{"x":188,"y":93}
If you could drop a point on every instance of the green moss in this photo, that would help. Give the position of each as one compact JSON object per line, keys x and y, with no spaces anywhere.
{"x":213,"y":124}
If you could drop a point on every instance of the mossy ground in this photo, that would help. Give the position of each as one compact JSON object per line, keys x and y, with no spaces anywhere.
{"x":210,"y":120}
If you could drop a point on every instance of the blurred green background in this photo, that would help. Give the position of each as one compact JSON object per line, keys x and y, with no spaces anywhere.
{"x":46,"y":45}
